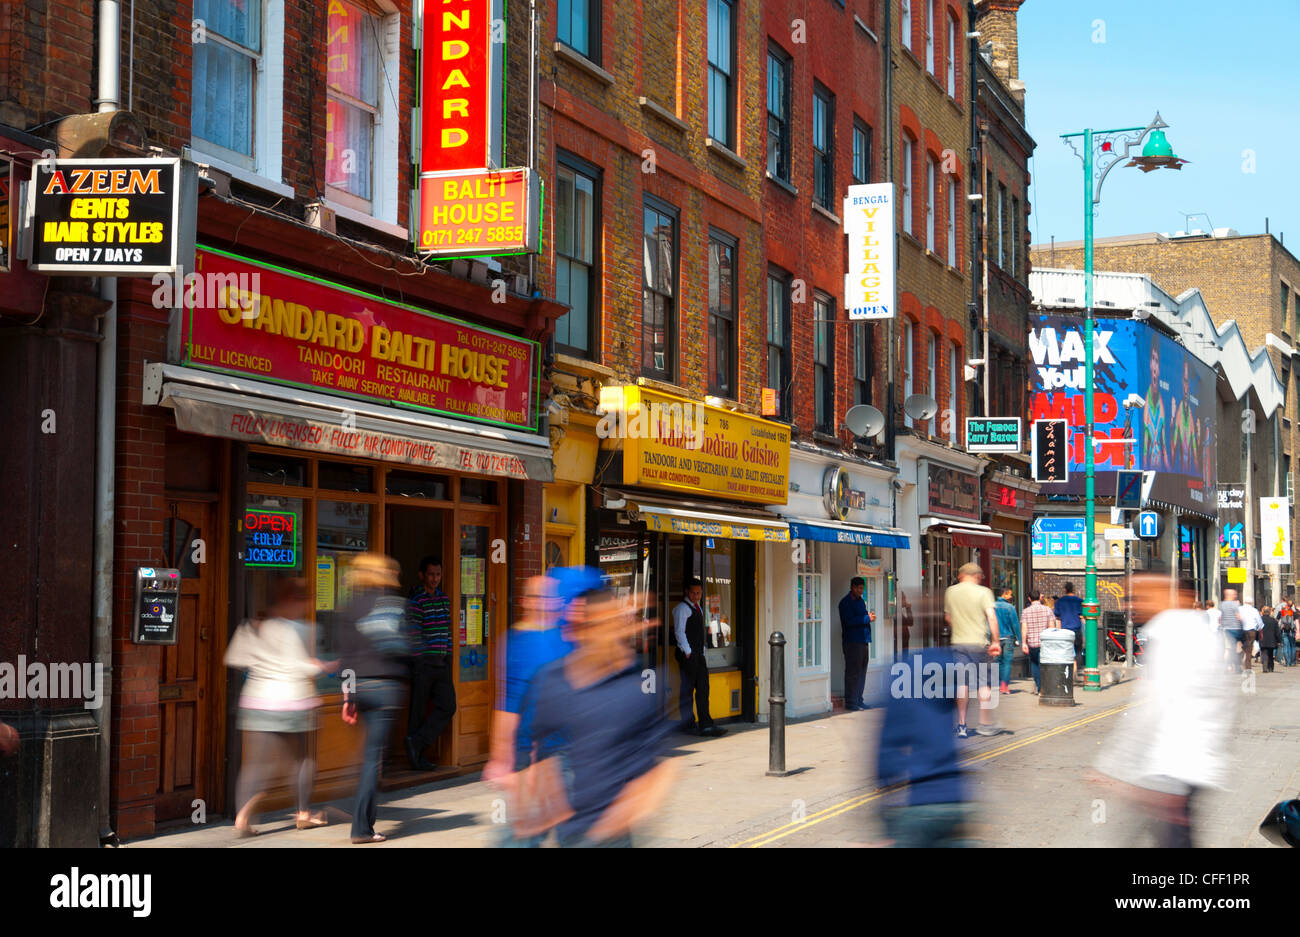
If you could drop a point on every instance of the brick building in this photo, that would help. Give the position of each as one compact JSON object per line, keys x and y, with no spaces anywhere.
{"x":1254,"y":277}
{"x":295,"y":114}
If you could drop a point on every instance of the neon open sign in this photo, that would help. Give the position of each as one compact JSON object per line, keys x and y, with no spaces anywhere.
{"x":270,"y":538}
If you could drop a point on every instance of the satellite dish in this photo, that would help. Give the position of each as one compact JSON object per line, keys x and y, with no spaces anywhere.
{"x":920,"y":406}
{"x":864,"y":420}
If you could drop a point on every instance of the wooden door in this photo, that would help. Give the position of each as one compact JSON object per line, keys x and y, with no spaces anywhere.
{"x":185,"y":692}
{"x":478,"y":616}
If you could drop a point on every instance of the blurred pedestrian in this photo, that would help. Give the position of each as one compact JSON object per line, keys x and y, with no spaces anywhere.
{"x":1230,"y":622}
{"x":855,"y":639}
{"x":374,"y":646}
{"x":1172,"y":747}
{"x":1069,"y":612}
{"x":277,"y":705}
{"x":917,"y":748}
{"x":1009,"y":632}
{"x":591,"y":715}
{"x":1287,"y":625}
{"x":428,"y":617}
{"x":1251,"y":625}
{"x":1269,"y":638}
{"x":1036,"y":619}
{"x":968,"y":608}
{"x":688,"y":633}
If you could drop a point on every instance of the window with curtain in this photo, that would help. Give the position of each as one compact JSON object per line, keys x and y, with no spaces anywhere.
{"x":931,"y":358}
{"x":575,"y":259}
{"x":907,"y":367}
{"x":931,"y":196}
{"x":905,"y":23}
{"x":823,"y":147}
{"x":575,"y":26}
{"x":720,"y":68}
{"x":778,"y":340}
{"x":722,"y":315}
{"x":861,"y":152}
{"x":352,"y":103}
{"x":225,"y":70}
{"x":811,"y":584}
{"x":952,"y":56}
{"x":907,"y":185}
{"x":778,"y":115}
{"x":929,"y":36}
{"x":824,"y":362}
{"x":659,"y":292}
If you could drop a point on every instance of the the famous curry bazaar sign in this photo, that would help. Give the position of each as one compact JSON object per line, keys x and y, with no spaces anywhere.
{"x":249,"y":318}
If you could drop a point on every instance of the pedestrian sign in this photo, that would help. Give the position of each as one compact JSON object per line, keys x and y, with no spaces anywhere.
{"x":1128,"y":490}
{"x":1148,"y":525}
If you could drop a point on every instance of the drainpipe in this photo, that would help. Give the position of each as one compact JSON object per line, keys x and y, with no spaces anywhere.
{"x":107,"y":100}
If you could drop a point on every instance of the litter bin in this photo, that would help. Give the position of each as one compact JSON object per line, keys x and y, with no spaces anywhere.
{"x":1057,"y":660}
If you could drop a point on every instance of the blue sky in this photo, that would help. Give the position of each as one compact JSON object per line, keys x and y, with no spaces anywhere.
{"x":1225,"y":77}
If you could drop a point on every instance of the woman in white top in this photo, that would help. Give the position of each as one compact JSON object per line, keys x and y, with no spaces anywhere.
{"x":277,"y":707}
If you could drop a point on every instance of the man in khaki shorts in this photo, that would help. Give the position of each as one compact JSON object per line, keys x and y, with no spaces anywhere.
{"x":968,"y":607}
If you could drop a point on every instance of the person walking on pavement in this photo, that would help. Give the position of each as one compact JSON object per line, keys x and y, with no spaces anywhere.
{"x":968,"y":608}
{"x":374,"y":645}
{"x":1036,"y":618}
{"x":428,"y":618}
{"x":1069,"y":611}
{"x":1009,"y":631}
{"x":688,"y":632}
{"x":1269,"y":636}
{"x":855,"y":638}
{"x":1287,"y":625}
{"x":1251,"y":626}
{"x":1230,"y":622}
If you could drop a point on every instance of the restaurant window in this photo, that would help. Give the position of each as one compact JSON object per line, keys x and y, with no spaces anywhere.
{"x":269,"y":539}
{"x":575,"y":257}
{"x":1008,"y":569}
{"x":907,"y":184}
{"x":659,"y":292}
{"x":716,"y":561}
{"x":345,"y":476}
{"x":577,"y":27}
{"x":823,"y":147}
{"x":721,"y":55}
{"x":861,"y":370}
{"x":722,"y":315}
{"x":778,"y":341}
{"x":778,"y":114}
{"x":824,"y":362}
{"x":810,"y":609}
{"x":274,"y":469}
{"x":353,"y":64}
{"x":225,"y":69}
{"x":474,"y":614}
{"x":861,"y":152}
{"x":409,"y":484}
{"x":478,"y":491}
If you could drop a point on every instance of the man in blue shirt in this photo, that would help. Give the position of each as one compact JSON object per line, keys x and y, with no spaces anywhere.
{"x":1069,"y":611}
{"x":1008,"y":632}
{"x":855,"y":635}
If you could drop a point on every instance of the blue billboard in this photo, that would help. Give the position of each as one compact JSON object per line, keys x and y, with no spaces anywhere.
{"x":1168,"y":426}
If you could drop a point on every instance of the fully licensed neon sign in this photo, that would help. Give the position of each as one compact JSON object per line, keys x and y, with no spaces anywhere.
{"x":270,"y":538}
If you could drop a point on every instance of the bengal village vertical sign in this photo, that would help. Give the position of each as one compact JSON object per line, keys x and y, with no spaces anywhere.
{"x":467,"y":205}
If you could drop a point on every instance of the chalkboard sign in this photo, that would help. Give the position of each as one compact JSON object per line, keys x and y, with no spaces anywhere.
{"x":157,"y":605}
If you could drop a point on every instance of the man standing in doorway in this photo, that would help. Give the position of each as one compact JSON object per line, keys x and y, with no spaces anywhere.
{"x":428,"y":616}
{"x":688,"y":631}
{"x":1069,"y":611}
{"x":968,"y":608}
{"x":855,"y":637}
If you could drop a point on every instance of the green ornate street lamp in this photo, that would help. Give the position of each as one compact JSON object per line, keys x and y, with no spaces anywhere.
{"x":1100,"y":154}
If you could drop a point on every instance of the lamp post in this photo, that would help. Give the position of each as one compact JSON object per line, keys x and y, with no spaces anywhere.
{"x":1100,"y":154}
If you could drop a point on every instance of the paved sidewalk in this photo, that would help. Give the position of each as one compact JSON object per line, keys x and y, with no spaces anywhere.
{"x":723,"y":796}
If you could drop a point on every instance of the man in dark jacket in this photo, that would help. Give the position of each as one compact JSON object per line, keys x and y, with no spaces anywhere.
{"x":1069,"y":612}
{"x":688,"y":635}
{"x":1269,"y":638}
{"x":855,"y":638}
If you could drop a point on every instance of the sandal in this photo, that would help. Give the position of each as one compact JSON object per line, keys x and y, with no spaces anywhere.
{"x":373,"y":838}
{"x":313,"y":821}
{"x":245,"y":831}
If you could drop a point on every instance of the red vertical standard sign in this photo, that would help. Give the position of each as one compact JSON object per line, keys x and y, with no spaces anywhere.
{"x":455,"y":85}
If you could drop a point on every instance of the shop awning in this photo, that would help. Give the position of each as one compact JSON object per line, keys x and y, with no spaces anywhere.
{"x":856,"y":534}
{"x":253,"y":412}
{"x":669,"y":518}
{"x":964,"y":534}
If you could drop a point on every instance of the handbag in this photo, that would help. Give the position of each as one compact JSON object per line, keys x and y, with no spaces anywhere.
{"x":540,"y":798}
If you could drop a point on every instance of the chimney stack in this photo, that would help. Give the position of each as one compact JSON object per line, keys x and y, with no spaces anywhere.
{"x":996,"y":22}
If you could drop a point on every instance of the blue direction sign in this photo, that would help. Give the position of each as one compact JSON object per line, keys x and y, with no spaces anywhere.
{"x":1058,"y":536}
{"x":1148,"y":525}
{"x":1236,"y":541}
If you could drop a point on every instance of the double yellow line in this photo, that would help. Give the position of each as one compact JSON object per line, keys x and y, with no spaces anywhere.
{"x":853,"y":803}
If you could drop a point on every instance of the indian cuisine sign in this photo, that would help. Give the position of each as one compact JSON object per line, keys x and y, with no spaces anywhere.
{"x":298,"y":330}
{"x":478,"y":212}
{"x":717,"y":452}
{"x":456,"y":104}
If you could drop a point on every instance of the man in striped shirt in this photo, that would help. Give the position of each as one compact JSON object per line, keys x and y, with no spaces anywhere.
{"x":428,"y":616}
{"x":1034,"y":620}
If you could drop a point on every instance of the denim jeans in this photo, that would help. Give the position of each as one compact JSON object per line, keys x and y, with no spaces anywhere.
{"x":1288,"y":649}
{"x":928,"y":826}
{"x":378,"y":702}
{"x":1004,"y":662}
{"x":1035,"y":668}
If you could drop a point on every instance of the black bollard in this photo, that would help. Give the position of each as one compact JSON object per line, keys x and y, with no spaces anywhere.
{"x":776,"y":709}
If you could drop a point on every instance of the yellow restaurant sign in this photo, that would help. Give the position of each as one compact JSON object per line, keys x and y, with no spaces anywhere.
{"x":705,"y":528}
{"x":670,"y":442}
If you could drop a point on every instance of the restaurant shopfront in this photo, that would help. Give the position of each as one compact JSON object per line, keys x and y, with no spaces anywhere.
{"x":303,"y":423}
{"x":682,"y":497}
